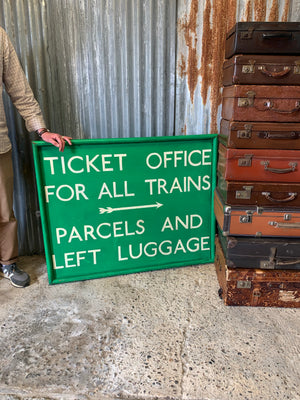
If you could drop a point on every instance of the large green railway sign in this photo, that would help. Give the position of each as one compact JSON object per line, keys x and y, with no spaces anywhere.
{"x":113,"y":207}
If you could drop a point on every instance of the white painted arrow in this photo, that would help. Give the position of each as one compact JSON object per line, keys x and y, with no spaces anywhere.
{"x":110,"y":209}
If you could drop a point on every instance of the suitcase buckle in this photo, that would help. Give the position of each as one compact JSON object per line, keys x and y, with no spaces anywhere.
{"x":246,"y":219}
{"x":246,"y":161}
{"x":247,"y":101}
{"x":271,"y":262}
{"x":246,"y":133}
{"x":297,"y":67}
{"x":248,"y":34}
{"x":267,"y":264}
{"x":243,"y":284}
{"x":249,"y":68}
{"x":244,"y":194}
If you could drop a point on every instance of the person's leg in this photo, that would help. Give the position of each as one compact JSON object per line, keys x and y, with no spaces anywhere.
{"x":8,"y":225}
{"x":8,"y":222}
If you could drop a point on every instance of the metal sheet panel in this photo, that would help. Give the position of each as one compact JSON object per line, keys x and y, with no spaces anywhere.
{"x":99,"y":69}
{"x":119,"y":68}
{"x":202,"y":27}
{"x":114,"y":64}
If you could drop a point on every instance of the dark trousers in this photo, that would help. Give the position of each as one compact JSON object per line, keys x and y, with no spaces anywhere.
{"x":8,"y":222}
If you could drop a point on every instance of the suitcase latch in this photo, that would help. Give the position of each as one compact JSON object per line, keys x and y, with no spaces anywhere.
{"x":246,"y":161}
{"x":246,"y":219}
{"x":266,"y":264}
{"x":271,"y":262}
{"x":243,"y":284}
{"x":248,"y":34}
{"x":244,"y":194}
{"x":249,"y":68}
{"x":246,"y":133}
{"x":247,"y":101}
{"x":297,"y":67}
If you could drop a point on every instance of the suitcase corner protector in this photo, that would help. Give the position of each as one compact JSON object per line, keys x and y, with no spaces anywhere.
{"x":227,"y":209}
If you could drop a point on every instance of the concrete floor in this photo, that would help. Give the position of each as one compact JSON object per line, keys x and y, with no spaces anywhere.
{"x":156,"y":335}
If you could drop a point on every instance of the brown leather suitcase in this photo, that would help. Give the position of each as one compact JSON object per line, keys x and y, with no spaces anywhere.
{"x":259,"y":165}
{"x":263,"y":38}
{"x":260,"y":135}
{"x":256,"y":221}
{"x":261,"y":103}
{"x":271,"y":194}
{"x":256,"y":287}
{"x":259,"y":69}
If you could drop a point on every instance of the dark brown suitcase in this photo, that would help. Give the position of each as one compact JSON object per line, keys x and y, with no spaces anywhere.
{"x":256,"y":221}
{"x":261,"y":253}
{"x":261,"y":70}
{"x":256,"y":287}
{"x":259,"y":165}
{"x":263,"y":38}
{"x":260,"y":135}
{"x":261,"y":103}
{"x":271,"y":194}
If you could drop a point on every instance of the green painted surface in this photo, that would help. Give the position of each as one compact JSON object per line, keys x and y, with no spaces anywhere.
{"x":120,"y":206}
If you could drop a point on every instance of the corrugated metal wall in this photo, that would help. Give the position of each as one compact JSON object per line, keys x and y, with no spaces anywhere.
{"x":119,"y":68}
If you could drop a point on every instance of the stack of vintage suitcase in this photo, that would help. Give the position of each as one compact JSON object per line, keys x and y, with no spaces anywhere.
{"x":257,"y":199}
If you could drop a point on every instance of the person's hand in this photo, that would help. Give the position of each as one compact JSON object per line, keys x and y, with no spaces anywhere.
{"x":56,"y":139}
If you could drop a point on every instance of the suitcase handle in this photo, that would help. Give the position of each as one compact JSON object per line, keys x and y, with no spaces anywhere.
{"x":295,"y":225}
{"x":279,"y":170}
{"x":273,"y":261}
{"x":291,"y":197}
{"x":270,"y":106}
{"x":278,"y":135}
{"x":277,"y":35}
{"x":288,"y":262}
{"x":274,"y":74}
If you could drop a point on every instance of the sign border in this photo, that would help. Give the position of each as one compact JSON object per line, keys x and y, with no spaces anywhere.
{"x":36,"y":146}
